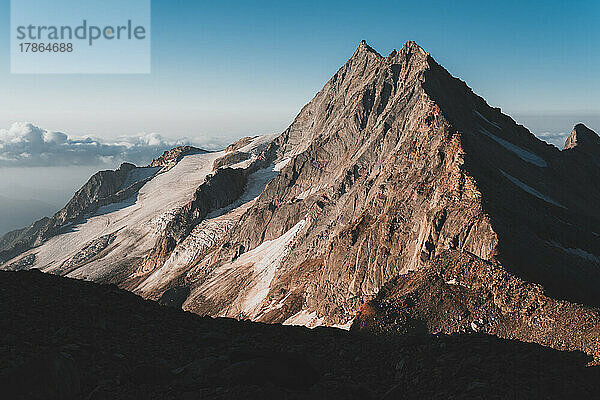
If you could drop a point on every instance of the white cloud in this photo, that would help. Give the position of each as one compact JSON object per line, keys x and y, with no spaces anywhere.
{"x":26,"y":145}
{"x":557,"y":139}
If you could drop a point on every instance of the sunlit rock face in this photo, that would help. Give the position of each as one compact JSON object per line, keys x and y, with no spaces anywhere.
{"x":393,"y":166}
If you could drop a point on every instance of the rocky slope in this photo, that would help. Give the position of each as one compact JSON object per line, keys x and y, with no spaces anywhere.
{"x":459,"y":292}
{"x":584,"y":142}
{"x":394,"y":166}
{"x":69,"y":339}
{"x":171,"y":157}
{"x":102,"y":189}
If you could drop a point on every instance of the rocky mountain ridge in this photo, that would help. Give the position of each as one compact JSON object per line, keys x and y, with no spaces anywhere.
{"x":392,"y":167}
{"x":171,"y":157}
{"x":103,"y":188}
{"x":585,"y":141}
{"x":459,"y":292}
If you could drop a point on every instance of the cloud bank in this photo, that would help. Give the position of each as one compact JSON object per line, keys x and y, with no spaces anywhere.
{"x":26,"y":145}
{"x":557,"y":139}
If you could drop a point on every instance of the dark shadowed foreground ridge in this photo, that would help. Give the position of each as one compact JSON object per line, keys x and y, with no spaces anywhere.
{"x":71,"y":339}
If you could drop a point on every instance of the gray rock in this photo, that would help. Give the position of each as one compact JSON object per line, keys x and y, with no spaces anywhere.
{"x":230,"y":159}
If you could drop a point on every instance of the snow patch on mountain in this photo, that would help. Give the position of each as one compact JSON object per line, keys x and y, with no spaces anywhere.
{"x":345,"y":326}
{"x":531,"y":190}
{"x":245,"y":282}
{"x":577,"y":252}
{"x":309,"y":192}
{"x":281,"y":164}
{"x":523,"y":154}
{"x":133,"y":220}
{"x":477,"y":113}
{"x":207,"y":233}
{"x":266,"y":259}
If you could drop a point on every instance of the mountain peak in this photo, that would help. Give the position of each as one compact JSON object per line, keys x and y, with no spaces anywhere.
{"x":582,"y":136}
{"x":584,"y":140}
{"x":409,"y":47}
{"x":364,"y":48}
{"x":412,"y":46}
{"x":394,"y":166}
{"x":410,"y":52}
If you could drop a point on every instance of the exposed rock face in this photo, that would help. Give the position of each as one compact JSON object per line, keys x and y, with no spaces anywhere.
{"x":582,"y":136}
{"x":584,"y":140}
{"x":393,"y":162}
{"x":230,"y":159}
{"x":171,"y":157}
{"x":21,"y":264}
{"x":382,"y":172}
{"x":459,"y":292}
{"x":394,"y":166}
{"x":239,"y":144}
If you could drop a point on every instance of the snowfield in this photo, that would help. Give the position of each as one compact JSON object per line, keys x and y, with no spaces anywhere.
{"x":134,"y":221}
{"x":207,"y":233}
{"x":120,"y":235}
{"x":310,"y":319}
{"x":245,"y":282}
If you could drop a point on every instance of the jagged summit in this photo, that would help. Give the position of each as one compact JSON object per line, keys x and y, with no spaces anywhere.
{"x":407,"y":47}
{"x":406,"y":51}
{"x":364,"y":46}
{"x":412,"y":46}
{"x":582,"y":137}
{"x":583,"y":144}
{"x":364,"y":50}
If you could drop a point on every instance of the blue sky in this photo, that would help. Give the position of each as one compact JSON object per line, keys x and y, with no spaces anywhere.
{"x":225,"y":69}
